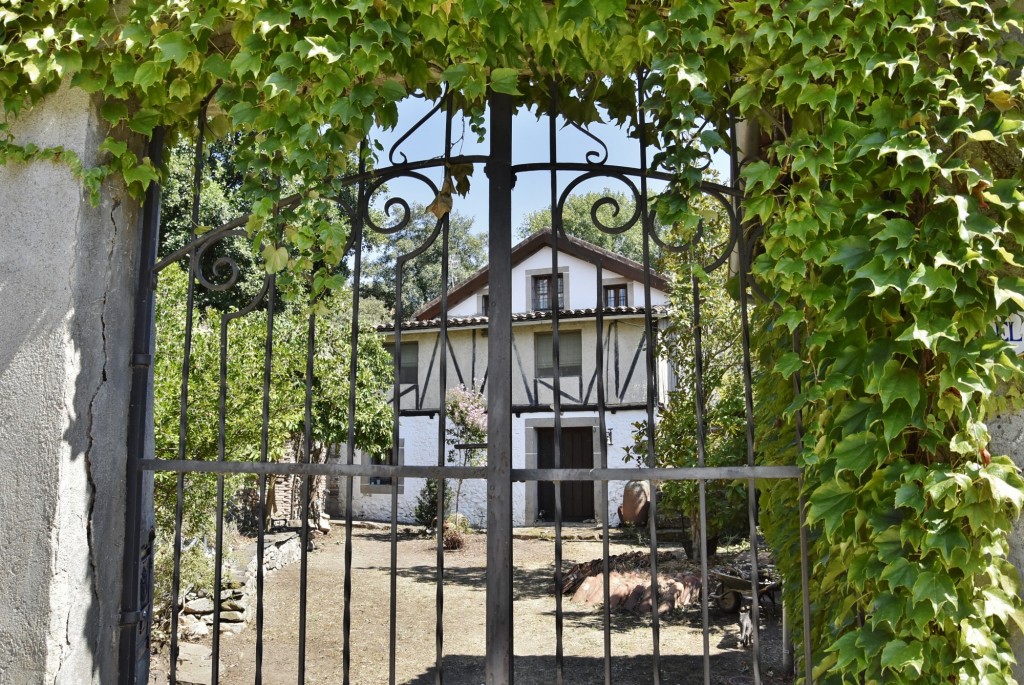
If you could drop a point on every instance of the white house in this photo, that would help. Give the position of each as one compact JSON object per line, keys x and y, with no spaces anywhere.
{"x":620,"y":294}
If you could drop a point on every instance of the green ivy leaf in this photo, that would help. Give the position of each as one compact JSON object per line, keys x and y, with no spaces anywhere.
{"x":900,"y":656}
{"x":173,"y":47}
{"x":505,"y":80}
{"x":856,"y":453}
{"x":935,"y":588}
{"x":275,"y":258}
{"x":147,"y":74}
{"x":830,"y":503}
{"x":144,"y":121}
{"x":788,"y":364}
{"x":898,"y":383}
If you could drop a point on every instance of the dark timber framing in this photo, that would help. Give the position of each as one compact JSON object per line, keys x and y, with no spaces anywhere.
{"x":575,"y":401}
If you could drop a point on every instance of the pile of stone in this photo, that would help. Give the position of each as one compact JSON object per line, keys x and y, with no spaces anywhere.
{"x":632,"y":591}
{"x":238,"y":590}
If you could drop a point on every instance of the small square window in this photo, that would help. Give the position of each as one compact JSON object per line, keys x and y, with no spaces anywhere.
{"x":570,"y":354}
{"x":542,"y":295}
{"x":375,"y":485}
{"x":616,"y":295}
{"x":408,"y":372}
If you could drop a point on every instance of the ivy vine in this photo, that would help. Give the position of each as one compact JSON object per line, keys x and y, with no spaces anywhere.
{"x":887,"y":189}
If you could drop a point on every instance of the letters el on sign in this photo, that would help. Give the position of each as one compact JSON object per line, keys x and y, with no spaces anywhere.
{"x":1012,"y":329}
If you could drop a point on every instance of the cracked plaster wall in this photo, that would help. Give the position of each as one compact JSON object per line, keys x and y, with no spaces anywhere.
{"x":1007,"y":434}
{"x":67,"y":281}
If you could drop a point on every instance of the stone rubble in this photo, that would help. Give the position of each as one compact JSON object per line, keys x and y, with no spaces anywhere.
{"x":237,"y":600}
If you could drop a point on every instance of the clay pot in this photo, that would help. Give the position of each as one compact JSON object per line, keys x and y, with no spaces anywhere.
{"x":636,"y":500}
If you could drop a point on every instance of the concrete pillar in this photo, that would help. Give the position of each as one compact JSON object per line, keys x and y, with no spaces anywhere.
{"x":67,"y":284}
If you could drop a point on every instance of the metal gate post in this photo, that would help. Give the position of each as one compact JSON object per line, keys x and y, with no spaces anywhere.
{"x":137,"y":575}
{"x":499,"y":397}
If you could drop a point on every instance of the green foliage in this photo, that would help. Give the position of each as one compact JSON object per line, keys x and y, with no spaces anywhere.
{"x":421,"y":275}
{"x":887,"y":190}
{"x":425,"y":511}
{"x":888,"y":244}
{"x":578,"y":221}
{"x":721,"y":393}
{"x":245,"y":338}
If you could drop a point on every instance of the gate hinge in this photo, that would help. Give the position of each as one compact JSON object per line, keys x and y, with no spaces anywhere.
{"x":131,"y":618}
{"x":142,"y":360}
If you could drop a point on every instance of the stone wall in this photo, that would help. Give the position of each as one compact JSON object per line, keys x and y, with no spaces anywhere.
{"x":67,"y":282}
{"x":1008,"y":438}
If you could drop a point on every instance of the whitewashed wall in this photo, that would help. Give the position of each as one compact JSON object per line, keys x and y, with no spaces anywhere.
{"x":580,"y":281}
{"x":420,"y":442}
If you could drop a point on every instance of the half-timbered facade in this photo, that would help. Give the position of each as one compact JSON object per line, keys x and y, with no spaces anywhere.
{"x":621,"y":299}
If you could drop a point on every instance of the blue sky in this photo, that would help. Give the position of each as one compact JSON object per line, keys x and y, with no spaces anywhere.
{"x":530,"y":144}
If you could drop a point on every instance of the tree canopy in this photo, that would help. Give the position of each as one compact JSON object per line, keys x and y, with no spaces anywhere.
{"x":421,"y":275}
{"x":578,"y":221}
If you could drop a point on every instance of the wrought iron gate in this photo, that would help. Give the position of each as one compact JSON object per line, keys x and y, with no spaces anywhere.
{"x":503,"y":470}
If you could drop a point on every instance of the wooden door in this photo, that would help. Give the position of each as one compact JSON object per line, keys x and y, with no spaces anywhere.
{"x":577,"y":453}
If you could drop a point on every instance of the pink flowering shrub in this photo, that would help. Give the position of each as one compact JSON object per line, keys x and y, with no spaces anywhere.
{"x":466,"y":410}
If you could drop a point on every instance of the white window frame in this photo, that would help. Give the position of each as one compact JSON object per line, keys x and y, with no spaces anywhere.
{"x":366,"y":484}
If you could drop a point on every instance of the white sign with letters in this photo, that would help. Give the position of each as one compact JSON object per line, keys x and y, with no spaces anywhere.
{"x":1013,"y":332}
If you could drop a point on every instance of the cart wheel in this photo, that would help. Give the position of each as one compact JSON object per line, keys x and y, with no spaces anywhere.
{"x":730,"y":601}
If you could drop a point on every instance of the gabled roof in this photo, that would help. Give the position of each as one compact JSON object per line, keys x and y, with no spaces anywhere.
{"x":569,"y":245}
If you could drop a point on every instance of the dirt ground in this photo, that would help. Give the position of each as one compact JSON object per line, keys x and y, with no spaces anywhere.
{"x":681,"y":641}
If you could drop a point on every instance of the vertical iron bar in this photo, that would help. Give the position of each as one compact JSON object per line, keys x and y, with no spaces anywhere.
{"x":395,"y":443}
{"x":264,"y":449}
{"x":268,"y":350}
{"x":499,"y":397}
{"x":805,"y":589}
{"x":805,"y":595}
{"x":218,"y":552}
{"x":602,"y":427}
{"x":357,"y":264}
{"x":698,"y":355}
{"x":556,"y":384}
{"x":134,"y":668}
{"x":748,"y":396}
{"x":197,"y":170}
{"x":652,"y":377}
{"x":442,"y":414}
{"x":307,"y":439}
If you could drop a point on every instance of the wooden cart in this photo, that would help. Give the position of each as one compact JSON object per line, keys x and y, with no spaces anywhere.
{"x":730,"y":591}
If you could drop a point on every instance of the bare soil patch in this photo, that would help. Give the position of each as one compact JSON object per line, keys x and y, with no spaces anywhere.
{"x":680,"y":640}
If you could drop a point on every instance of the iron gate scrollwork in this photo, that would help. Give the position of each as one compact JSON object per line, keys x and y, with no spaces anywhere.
{"x":500,"y":474}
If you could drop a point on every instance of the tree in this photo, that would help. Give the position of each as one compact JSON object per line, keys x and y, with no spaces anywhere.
{"x":721,"y":356}
{"x":221,"y":200}
{"x":578,"y":220}
{"x":245,"y":347}
{"x":421,"y":277}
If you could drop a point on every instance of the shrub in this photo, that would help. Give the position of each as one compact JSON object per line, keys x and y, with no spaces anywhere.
{"x":425,"y":512}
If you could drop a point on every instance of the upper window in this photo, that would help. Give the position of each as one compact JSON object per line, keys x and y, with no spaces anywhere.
{"x":616,"y":295}
{"x":408,"y":372}
{"x":485,"y":303}
{"x":570,"y":354}
{"x":542,"y":293}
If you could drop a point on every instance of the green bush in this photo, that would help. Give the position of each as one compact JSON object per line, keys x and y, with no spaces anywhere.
{"x":425,"y":512}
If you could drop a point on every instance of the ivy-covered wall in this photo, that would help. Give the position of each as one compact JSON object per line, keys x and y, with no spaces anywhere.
{"x":887,"y":197}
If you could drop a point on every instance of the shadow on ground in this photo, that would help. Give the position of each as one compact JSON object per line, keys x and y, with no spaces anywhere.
{"x":624,"y":670}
